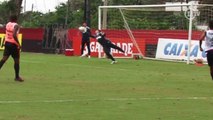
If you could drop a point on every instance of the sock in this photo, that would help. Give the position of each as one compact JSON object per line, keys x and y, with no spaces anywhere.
{"x":212,"y":75}
{"x":110,"y":56}
{"x":211,"y":71}
{"x":16,"y":67}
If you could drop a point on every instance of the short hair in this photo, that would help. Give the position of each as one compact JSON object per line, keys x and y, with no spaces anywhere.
{"x":211,"y":24}
{"x":13,"y":18}
{"x":84,"y":23}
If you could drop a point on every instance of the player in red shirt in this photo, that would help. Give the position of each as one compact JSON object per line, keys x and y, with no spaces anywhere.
{"x":12,"y":46}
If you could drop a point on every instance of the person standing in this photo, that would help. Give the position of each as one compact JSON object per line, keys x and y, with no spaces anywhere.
{"x":85,"y":40}
{"x":208,"y":37}
{"x":12,"y":46}
{"x":107,"y":45}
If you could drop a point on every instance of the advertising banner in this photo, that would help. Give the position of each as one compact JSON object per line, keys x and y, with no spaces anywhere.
{"x":177,"y":49}
{"x":2,"y":40}
{"x":125,"y":45}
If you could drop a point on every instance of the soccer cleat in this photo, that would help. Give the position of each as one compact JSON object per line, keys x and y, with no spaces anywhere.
{"x":113,"y":62}
{"x":19,"y":79}
{"x":83,"y":55}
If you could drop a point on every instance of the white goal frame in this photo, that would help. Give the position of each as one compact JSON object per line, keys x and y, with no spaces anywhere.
{"x":190,"y":12}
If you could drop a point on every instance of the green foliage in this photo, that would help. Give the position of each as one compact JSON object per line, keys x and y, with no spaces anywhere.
{"x":31,"y":19}
{"x":145,"y":19}
{"x":3,"y":10}
{"x":6,"y":9}
{"x":136,"y":2}
{"x":76,"y":19}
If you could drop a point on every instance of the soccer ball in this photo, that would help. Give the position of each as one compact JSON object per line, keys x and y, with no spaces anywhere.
{"x":198,"y":61}
{"x":82,"y":29}
{"x":136,"y":57}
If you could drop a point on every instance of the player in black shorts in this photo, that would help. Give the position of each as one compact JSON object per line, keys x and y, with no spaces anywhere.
{"x":85,"y":40}
{"x":12,"y":46}
{"x":208,"y":37}
{"x":107,"y":45}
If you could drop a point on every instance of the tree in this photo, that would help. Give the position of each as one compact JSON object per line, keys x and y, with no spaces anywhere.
{"x":136,"y":2}
{"x":18,"y":4}
{"x":32,"y":19}
{"x":74,"y":10}
{"x":6,"y":9}
{"x":9,"y":7}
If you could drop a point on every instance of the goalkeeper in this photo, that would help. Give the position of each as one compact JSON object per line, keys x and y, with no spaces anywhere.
{"x":107,"y":45}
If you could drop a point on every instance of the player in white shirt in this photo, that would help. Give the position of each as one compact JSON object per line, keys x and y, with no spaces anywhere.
{"x":208,"y":37}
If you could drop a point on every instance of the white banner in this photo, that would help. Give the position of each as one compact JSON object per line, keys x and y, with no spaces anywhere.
{"x":177,"y":49}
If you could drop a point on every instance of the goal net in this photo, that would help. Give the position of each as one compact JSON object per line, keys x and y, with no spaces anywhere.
{"x":169,"y":31}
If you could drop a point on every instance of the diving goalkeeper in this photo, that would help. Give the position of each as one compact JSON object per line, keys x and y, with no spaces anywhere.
{"x":107,"y":45}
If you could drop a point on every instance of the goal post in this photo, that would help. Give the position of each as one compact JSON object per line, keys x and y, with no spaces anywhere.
{"x":126,"y":26}
{"x":147,"y":27}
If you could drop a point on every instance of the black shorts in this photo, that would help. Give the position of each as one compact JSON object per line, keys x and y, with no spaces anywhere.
{"x":11,"y":49}
{"x":107,"y":49}
{"x":210,"y":57}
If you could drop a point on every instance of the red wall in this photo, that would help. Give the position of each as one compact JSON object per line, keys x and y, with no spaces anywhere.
{"x":30,"y":33}
{"x":32,"y":38}
{"x":150,"y":36}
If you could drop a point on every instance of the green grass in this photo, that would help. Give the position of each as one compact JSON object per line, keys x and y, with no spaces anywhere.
{"x":70,"y":88}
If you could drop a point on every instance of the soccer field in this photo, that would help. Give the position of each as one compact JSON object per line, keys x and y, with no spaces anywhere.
{"x":57,"y":87}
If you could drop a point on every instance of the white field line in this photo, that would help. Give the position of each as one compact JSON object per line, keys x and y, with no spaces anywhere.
{"x":108,"y":99}
{"x":77,"y":65}
{"x":90,"y":66}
